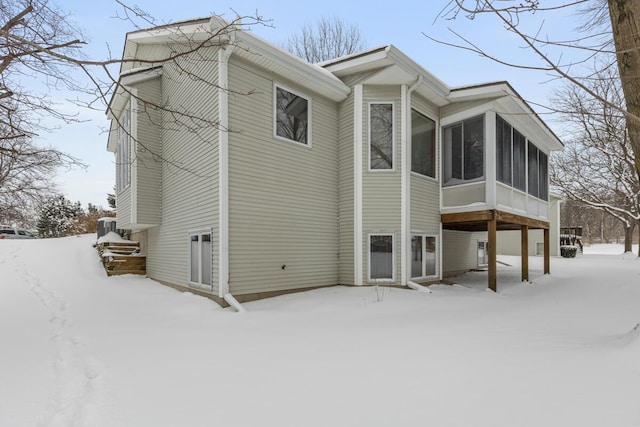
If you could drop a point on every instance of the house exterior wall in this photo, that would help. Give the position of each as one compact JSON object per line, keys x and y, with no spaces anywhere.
{"x":123,"y":203}
{"x":283,"y":196}
{"x":509,"y":241}
{"x":346,"y":190}
{"x":381,"y":191}
{"x":460,"y":250}
{"x":146,"y":169}
{"x":190,"y":170}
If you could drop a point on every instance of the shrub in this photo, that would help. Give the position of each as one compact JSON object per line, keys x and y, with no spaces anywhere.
{"x":568,"y":251}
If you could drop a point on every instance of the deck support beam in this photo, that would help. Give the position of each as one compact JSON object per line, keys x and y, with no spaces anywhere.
{"x":524,"y":252}
{"x":492,"y":226}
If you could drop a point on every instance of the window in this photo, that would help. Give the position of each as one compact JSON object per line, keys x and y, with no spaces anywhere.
{"x":200,"y":258}
{"x":538,"y":173}
{"x":381,"y":136}
{"x":543,"y":184}
{"x":511,"y":157}
{"x":519,"y":161}
{"x":423,"y":256}
{"x":423,"y":145}
{"x":123,"y":152}
{"x":504,"y":133}
{"x":381,"y":259}
{"x":292,"y":116}
{"x":464,"y":151}
{"x":533,"y":170}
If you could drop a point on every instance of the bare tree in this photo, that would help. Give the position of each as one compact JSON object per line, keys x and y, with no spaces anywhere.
{"x":592,"y":41}
{"x":41,"y":58}
{"x":597,"y":166}
{"x":329,"y":38}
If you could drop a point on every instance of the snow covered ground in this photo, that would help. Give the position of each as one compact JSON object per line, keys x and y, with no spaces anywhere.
{"x":80,"y":349}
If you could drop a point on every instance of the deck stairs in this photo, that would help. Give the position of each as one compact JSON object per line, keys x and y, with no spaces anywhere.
{"x":122,"y":258}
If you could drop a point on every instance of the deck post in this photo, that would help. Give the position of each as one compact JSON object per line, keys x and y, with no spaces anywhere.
{"x":547,"y":255}
{"x":493,"y":268}
{"x":524,"y":252}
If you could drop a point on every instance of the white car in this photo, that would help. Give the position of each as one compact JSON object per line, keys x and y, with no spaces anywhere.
{"x":15,"y":233}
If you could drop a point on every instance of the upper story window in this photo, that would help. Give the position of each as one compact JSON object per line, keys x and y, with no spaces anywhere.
{"x":514,"y":157}
{"x":381,"y":136}
{"x":423,"y":145}
{"x":123,"y":152}
{"x":463,"y":147}
{"x":292,"y":116}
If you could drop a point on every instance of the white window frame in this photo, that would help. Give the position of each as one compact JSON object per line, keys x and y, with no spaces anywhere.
{"x":123,"y":151}
{"x":277,"y":86}
{"x":393,"y":136}
{"x":393,"y":258}
{"x":200,"y":283}
{"x":447,"y":151}
{"x":436,"y":165}
{"x":424,"y":256}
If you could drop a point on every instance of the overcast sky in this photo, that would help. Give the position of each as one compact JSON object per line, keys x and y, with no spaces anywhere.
{"x":401,"y":23}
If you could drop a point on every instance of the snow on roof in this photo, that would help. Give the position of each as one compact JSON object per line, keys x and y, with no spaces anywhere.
{"x":108,"y":219}
{"x":112,"y":237}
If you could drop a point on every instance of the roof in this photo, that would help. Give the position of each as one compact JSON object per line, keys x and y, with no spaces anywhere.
{"x":504,"y":90}
{"x":388,"y":65}
{"x":245,"y":44}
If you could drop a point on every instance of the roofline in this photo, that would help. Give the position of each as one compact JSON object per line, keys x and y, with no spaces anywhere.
{"x":513,"y":93}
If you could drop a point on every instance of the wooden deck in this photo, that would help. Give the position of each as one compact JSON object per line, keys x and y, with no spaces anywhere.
{"x":122,"y":258}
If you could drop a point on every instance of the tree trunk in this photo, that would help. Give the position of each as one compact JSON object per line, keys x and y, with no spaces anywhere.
{"x":628,"y":238}
{"x":625,"y":24}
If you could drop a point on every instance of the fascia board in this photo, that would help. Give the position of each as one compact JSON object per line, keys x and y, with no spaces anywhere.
{"x":472,"y":93}
{"x":358,"y":63}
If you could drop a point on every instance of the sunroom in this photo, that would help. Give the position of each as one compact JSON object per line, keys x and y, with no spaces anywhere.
{"x":495,"y":152}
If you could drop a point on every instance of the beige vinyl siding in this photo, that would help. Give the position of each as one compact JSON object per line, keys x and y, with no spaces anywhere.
{"x":425,"y":191}
{"x":283,"y":196}
{"x":425,"y":204}
{"x":509,"y":242}
{"x":190,"y":169}
{"x":460,"y":250}
{"x":123,"y":209}
{"x":346,"y":191}
{"x":381,"y":210}
{"x":147,"y":167}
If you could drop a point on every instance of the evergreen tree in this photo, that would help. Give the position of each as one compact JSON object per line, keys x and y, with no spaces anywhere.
{"x":57,"y":217}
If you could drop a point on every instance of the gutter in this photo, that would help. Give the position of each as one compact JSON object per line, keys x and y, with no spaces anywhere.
{"x":223,"y":173}
{"x":417,"y":287}
{"x":405,"y":180}
{"x":230,"y":299}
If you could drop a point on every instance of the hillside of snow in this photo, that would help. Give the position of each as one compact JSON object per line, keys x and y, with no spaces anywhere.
{"x":80,"y":349}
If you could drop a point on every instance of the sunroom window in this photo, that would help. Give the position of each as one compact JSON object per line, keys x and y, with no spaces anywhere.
{"x":464,"y":152}
{"x":292,"y":116}
{"x":538,"y":173}
{"x":423,"y":146}
{"x":381,"y":136}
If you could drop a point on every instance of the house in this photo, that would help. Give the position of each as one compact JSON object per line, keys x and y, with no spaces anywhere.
{"x":247,"y":172}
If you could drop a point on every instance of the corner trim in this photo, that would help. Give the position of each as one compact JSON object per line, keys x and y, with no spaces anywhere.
{"x":358,"y":264}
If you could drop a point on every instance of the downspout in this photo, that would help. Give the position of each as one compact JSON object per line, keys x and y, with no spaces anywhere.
{"x":405,"y":183}
{"x":223,"y":174}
